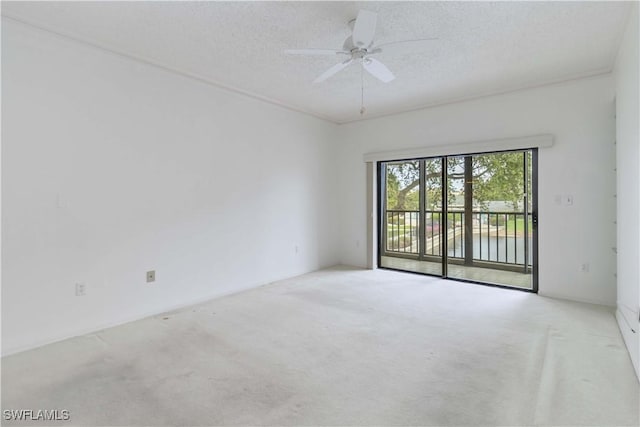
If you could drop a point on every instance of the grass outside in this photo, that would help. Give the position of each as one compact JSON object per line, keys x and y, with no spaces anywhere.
{"x":518,"y":226}
{"x":400,"y":228}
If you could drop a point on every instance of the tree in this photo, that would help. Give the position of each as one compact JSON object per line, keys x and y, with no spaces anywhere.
{"x":502,"y":181}
{"x":402,"y":185}
{"x":496,"y":177}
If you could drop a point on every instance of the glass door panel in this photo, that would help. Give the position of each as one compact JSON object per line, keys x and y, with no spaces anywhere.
{"x":401,"y":215}
{"x":490,"y":223}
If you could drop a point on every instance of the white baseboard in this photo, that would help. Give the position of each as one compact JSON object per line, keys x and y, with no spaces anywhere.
{"x":116,"y":322}
{"x":631,"y":339}
{"x":572,"y":298}
{"x":545,"y":294}
{"x":127,"y":319}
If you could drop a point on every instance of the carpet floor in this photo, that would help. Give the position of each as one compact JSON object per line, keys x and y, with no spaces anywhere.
{"x":342,"y":346}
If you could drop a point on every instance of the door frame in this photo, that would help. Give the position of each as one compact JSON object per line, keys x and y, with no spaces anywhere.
{"x":380,"y":182}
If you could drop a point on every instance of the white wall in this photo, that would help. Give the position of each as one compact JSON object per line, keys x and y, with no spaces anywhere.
{"x":111,"y":167}
{"x":580,"y":116}
{"x":628,"y":186}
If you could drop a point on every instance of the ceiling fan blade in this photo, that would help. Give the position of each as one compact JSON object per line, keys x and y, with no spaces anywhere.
{"x":405,"y":46}
{"x":333,"y":70}
{"x":378,"y":70}
{"x":364,"y":29}
{"x":314,"y":52}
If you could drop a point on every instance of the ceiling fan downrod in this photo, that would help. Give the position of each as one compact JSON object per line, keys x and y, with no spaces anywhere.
{"x":362,"y":109}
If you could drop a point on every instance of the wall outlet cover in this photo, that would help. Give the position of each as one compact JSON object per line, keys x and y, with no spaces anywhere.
{"x":151,"y":276}
{"x":81,"y":289}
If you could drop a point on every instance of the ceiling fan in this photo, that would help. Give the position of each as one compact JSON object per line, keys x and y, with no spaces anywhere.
{"x":358,"y":47}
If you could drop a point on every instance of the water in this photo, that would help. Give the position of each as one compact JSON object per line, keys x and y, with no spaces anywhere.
{"x":498,"y":249}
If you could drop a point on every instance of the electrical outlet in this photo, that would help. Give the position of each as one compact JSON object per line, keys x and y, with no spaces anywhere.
{"x":584,"y":267}
{"x":151,"y":276}
{"x":81,"y":289}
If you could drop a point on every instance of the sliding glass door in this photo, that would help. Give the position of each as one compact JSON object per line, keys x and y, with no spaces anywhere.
{"x":469,"y":217}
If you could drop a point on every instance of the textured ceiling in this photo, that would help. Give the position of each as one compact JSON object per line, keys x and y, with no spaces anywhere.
{"x":483,"y":47}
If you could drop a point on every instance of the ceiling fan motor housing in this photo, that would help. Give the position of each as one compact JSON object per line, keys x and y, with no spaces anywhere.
{"x":356,"y":52}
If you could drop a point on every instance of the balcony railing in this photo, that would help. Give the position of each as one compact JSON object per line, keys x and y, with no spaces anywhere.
{"x":498,"y":237}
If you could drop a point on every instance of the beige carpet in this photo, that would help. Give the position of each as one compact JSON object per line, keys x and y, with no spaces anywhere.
{"x":342,"y":347}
